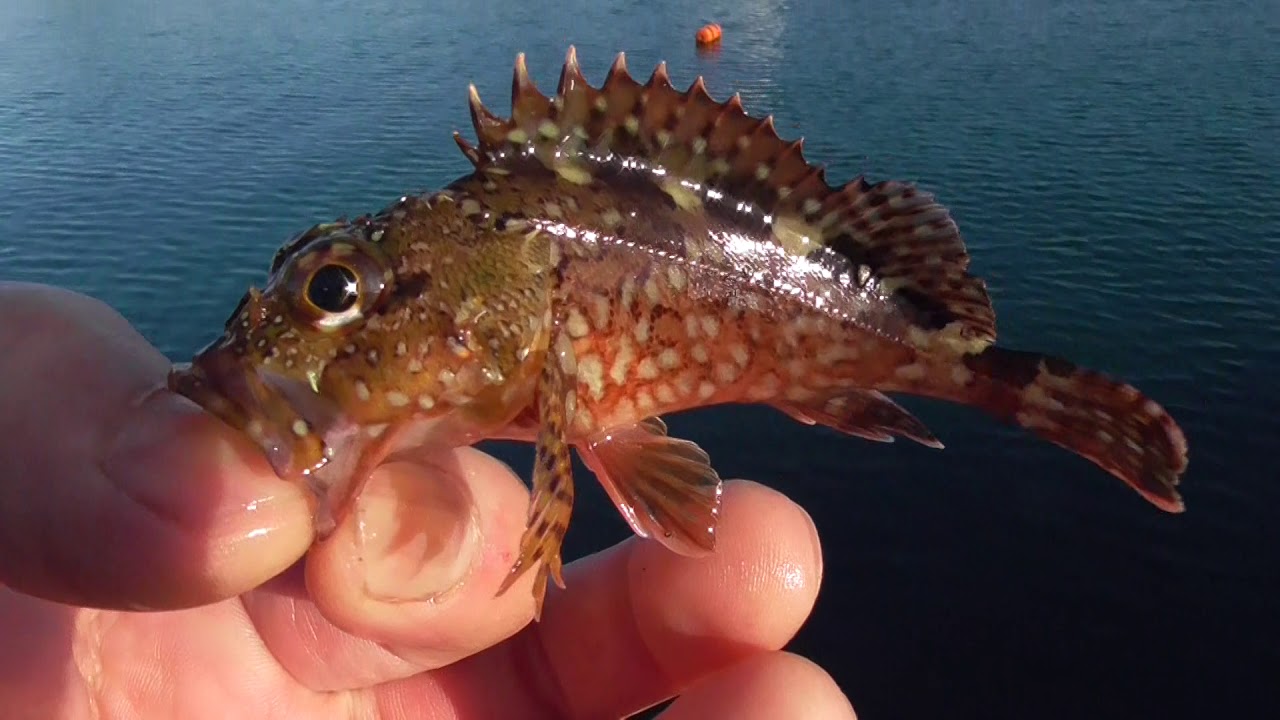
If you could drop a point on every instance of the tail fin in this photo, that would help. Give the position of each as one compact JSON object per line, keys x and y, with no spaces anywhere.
{"x":1097,"y":417}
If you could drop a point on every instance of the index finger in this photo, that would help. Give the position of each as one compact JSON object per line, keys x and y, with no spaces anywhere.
{"x":115,"y":492}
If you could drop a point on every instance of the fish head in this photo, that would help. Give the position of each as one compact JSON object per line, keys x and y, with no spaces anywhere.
{"x":279,"y":370}
{"x":369,"y":325}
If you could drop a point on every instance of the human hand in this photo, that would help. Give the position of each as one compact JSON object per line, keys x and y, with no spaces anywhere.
{"x":117,"y":497}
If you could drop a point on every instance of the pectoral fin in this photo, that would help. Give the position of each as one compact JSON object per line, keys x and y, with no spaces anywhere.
{"x":864,"y":413}
{"x":552,"y":501}
{"x":664,"y":487}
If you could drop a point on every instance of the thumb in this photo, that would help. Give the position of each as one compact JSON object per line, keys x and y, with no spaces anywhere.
{"x":116,"y":493}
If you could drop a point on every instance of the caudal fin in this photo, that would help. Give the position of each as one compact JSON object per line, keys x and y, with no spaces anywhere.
{"x":1107,"y":421}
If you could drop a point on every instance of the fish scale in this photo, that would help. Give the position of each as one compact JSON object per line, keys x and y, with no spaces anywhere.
{"x":621,"y":253}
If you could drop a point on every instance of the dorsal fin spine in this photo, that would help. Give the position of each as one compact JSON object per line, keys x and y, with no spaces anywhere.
{"x":890,"y":229}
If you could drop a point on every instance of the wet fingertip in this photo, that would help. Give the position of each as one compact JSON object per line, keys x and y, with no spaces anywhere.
{"x":779,"y":499}
{"x":416,"y":533}
{"x":764,"y":686}
{"x":755,"y":591}
{"x":201,"y":504}
{"x":417,"y":564}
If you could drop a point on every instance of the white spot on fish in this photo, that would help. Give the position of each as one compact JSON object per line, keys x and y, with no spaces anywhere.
{"x":1150,"y":407}
{"x":627,"y":294}
{"x":577,"y":325}
{"x":677,"y":279}
{"x":669,"y":359}
{"x":362,"y":391}
{"x":664,"y":393}
{"x":740,"y":354}
{"x":644,"y":401}
{"x":651,"y":290}
{"x":799,"y":393}
{"x":647,"y":369}
{"x":797,"y":368}
{"x":1034,"y":421}
{"x":570,"y":405}
{"x":684,"y":382}
{"x":625,"y":409}
{"x":426,"y":402}
{"x":726,"y":373}
{"x":706,"y":389}
{"x":568,"y":361}
{"x":700,"y":353}
{"x":961,"y":375}
{"x":684,"y":198}
{"x":397,"y":399}
{"x":255,"y":429}
{"x":573,"y":172}
{"x":600,"y":312}
{"x":1036,"y":395}
{"x":765,"y":388}
{"x":912,"y":372}
{"x":622,"y":364}
{"x":300,"y":428}
{"x":591,"y":372}
{"x":710,"y":325}
{"x":641,"y":330}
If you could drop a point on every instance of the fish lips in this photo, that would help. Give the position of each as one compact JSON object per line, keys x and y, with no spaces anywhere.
{"x":284,"y":416}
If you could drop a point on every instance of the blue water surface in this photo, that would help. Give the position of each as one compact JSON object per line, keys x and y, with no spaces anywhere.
{"x":1113,"y":166}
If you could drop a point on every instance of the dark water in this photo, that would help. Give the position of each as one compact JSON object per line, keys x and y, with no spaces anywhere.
{"x":1114,"y":166}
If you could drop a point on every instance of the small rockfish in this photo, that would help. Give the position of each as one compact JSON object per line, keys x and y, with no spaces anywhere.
{"x":615,"y":255}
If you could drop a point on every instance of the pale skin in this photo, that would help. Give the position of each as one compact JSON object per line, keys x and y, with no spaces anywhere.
{"x":114,"y":497}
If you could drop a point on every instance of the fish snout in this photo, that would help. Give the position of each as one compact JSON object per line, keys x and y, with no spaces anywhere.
{"x":228,"y":386}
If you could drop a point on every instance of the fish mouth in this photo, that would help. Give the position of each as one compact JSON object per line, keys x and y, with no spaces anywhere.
{"x":284,"y":416}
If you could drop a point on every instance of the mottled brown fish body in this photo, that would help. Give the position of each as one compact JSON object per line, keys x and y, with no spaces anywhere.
{"x":617,"y":254}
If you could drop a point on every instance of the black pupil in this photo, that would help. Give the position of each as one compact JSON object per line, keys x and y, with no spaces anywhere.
{"x":333,"y":289}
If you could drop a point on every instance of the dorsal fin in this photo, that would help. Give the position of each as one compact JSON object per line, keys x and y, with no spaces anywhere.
{"x":888,"y":232}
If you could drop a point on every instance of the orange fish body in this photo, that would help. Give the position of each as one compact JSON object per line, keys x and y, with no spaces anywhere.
{"x":616,"y":255}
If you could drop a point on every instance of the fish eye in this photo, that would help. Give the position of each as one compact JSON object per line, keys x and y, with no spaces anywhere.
{"x":333,"y":288}
{"x":335,"y":282}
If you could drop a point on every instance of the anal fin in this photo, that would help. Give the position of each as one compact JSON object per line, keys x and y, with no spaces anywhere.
{"x":664,"y":487}
{"x":863,"y":413}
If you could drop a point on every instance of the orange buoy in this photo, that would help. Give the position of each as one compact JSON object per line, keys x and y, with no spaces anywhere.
{"x":709,"y":34}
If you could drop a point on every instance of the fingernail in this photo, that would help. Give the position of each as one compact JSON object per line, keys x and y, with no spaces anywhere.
{"x":418,"y":532}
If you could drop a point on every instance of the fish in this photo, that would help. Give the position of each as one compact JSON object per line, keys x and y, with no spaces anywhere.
{"x":617,"y":254}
